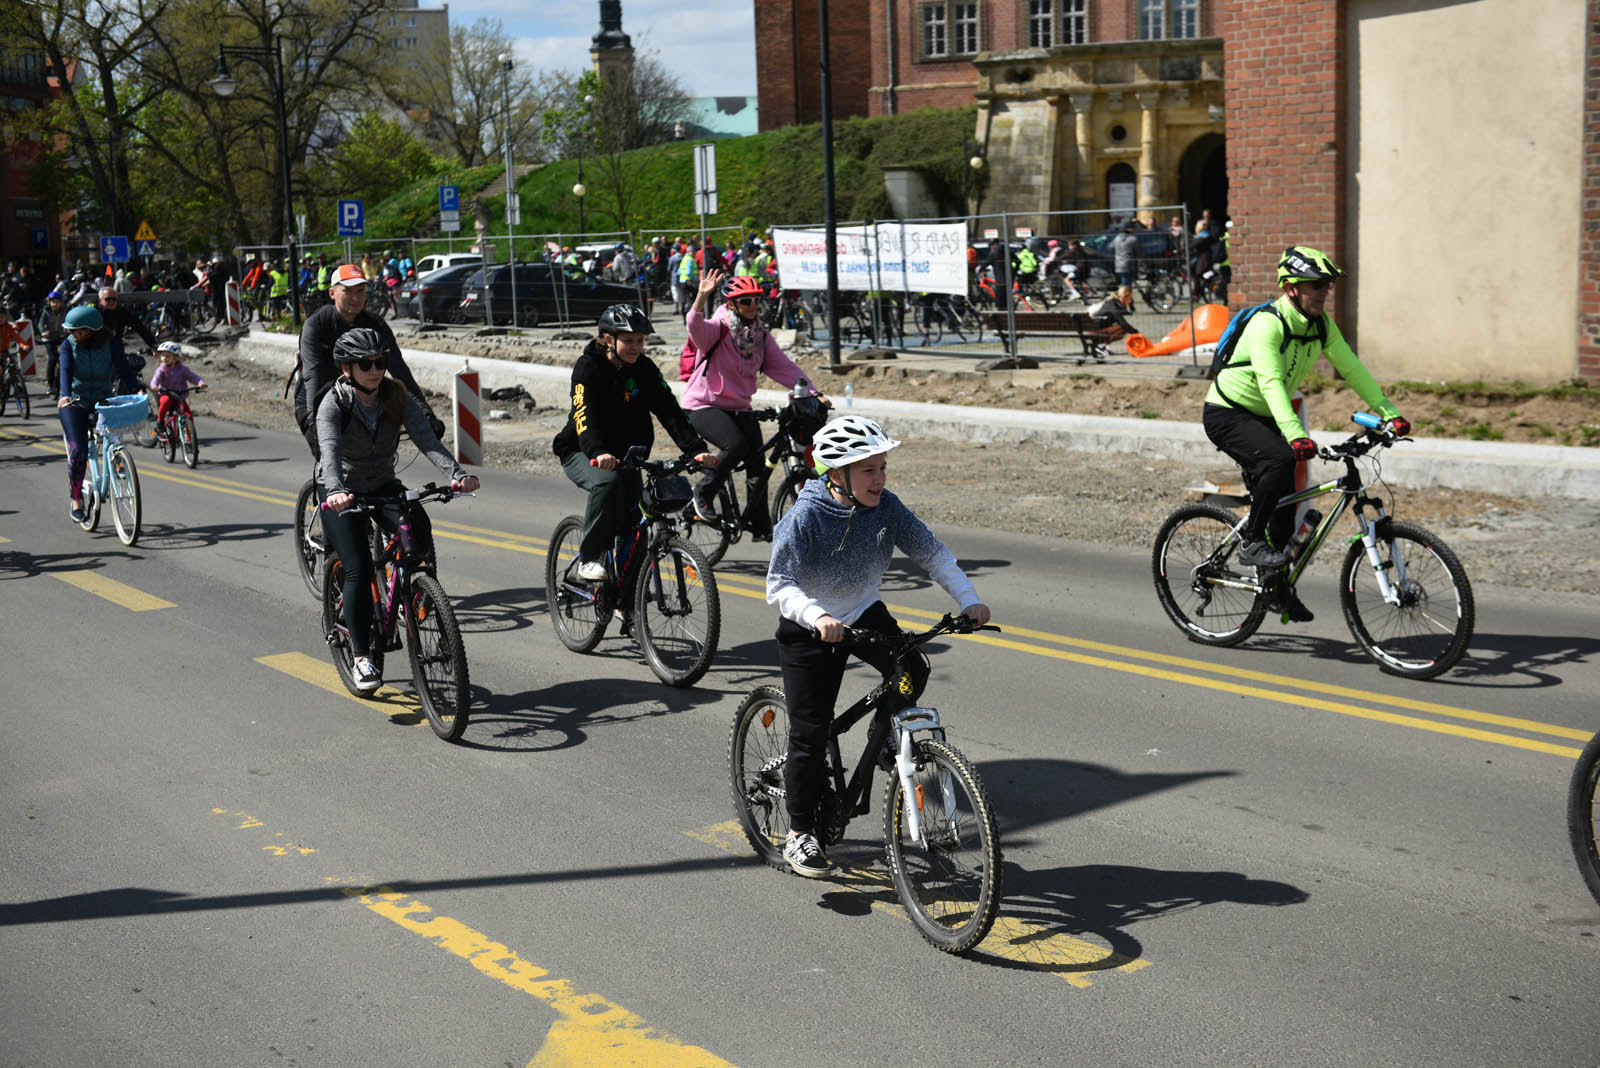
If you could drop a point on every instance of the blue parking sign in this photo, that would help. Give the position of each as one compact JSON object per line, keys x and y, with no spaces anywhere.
{"x":41,"y":238}
{"x":113,"y":250}
{"x":449,"y":198}
{"x":351,"y":223}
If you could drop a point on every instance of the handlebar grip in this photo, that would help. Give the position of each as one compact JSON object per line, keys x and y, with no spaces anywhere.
{"x":1366,"y":419}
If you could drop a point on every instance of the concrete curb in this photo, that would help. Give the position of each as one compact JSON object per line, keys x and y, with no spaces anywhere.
{"x":1511,"y":469}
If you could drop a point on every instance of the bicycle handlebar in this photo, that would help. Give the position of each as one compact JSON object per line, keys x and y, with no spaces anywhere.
{"x":368,"y":502}
{"x":1359,"y":444}
{"x":635,"y":460}
{"x":950,"y":624}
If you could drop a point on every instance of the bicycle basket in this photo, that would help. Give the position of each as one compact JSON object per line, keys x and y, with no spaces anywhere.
{"x":666,"y":494}
{"x":124,"y":416}
{"x":803,"y":418}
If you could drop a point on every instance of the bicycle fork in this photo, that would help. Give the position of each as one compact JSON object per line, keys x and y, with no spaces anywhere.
{"x":1380,"y":570}
{"x":907,"y":722}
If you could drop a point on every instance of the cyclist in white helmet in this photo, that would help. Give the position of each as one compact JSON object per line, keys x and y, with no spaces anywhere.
{"x":829,"y":553}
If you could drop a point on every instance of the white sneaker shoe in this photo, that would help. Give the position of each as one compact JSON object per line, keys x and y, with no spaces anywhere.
{"x":367,"y":675}
{"x":591,"y":571}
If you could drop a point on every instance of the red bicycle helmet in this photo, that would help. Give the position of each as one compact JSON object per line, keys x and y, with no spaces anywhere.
{"x":743,"y":286}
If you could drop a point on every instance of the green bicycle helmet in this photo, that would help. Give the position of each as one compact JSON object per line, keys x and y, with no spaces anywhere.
{"x":1301,"y":263}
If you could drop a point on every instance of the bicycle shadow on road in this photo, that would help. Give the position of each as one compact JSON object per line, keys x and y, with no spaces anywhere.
{"x":18,"y":564}
{"x":1500,"y":661}
{"x":166,"y":536}
{"x":1029,"y":793}
{"x":500,"y":610}
{"x":562,"y":716}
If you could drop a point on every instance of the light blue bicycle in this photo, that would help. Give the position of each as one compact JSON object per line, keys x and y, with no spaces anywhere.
{"x":112,"y":475}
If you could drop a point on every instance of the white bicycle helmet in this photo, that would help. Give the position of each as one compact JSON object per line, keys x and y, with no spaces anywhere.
{"x":172,"y":347}
{"x":845,"y":440}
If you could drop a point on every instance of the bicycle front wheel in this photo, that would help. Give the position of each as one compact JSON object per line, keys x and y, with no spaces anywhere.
{"x":1583,"y":813}
{"x":758,"y":746}
{"x":189,"y":441}
{"x":1204,"y":590}
{"x":167,"y":438}
{"x":676,"y":613}
{"x":575,"y":610}
{"x":1427,"y":631}
{"x":309,"y":550}
{"x":126,"y":506}
{"x":713,"y":538}
{"x":438,"y":659}
{"x":338,"y":635}
{"x":19,"y":390}
{"x":788,"y":493}
{"x":950,"y":882}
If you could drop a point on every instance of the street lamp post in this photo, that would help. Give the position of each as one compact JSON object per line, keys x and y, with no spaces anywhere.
{"x":513,"y":215}
{"x":975,"y":163}
{"x":579,"y":189}
{"x":271,"y":60}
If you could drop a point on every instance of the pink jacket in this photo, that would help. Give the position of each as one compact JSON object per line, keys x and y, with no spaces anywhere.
{"x":725,"y":379}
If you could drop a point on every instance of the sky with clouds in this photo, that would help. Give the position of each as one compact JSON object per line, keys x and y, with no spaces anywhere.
{"x":711,"y":51}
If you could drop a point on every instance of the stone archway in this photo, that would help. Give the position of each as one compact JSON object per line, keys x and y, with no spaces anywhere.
{"x":1203,"y":176}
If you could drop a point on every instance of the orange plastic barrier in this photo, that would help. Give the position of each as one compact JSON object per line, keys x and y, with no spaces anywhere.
{"x":1209,"y":322}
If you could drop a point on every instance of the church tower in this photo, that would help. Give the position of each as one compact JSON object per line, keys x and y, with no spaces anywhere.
{"x":611,"y":49}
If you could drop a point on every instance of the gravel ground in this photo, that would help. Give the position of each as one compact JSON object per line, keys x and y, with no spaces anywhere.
{"x":1107,"y":498}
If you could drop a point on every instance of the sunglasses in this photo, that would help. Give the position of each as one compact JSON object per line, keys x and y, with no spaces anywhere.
{"x":745,"y":302}
{"x":109,"y":300}
{"x":381,"y":363}
{"x":1318,"y":287}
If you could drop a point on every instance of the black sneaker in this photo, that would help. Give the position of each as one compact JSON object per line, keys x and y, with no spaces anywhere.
{"x":1259,"y":554}
{"x":1296,"y":612}
{"x":704,"y":509}
{"x":805,"y":856}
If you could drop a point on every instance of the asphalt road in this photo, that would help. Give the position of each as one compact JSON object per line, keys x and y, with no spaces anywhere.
{"x":1271,"y":854}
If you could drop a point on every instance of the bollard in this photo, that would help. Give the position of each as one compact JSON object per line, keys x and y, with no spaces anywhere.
{"x":25,"y":343}
{"x":469,"y":427}
{"x":235,"y":311}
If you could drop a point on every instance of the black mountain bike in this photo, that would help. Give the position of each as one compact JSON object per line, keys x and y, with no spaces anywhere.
{"x":1583,"y":815}
{"x":660,"y":584}
{"x":405,"y":595}
{"x":13,"y":388}
{"x":797,"y":424}
{"x":939,"y":831}
{"x":1405,"y":596}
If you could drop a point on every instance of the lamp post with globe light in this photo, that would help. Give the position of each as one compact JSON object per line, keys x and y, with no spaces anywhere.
{"x":224,"y":85}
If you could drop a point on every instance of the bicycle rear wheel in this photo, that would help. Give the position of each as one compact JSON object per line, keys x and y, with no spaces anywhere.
{"x":758,"y":745}
{"x":1426,"y":633}
{"x":575,"y":608}
{"x":188,"y":440}
{"x":1583,"y":815}
{"x":167,"y":438}
{"x":126,"y":505}
{"x":338,"y":635}
{"x":309,"y":548}
{"x":713,"y":538}
{"x":438,"y":658}
{"x":950,"y":883}
{"x":677,"y":614}
{"x":1203,"y":590}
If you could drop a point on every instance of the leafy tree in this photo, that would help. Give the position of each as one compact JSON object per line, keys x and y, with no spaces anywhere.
{"x":379,"y":157}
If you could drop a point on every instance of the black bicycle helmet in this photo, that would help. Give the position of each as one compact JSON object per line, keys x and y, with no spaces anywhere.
{"x":362,"y":343}
{"x":623,"y":319}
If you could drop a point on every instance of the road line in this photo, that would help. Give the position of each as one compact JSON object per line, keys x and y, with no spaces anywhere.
{"x":119,"y":593}
{"x":401,"y":708}
{"x":1025,"y":942}
{"x":590,"y":1031}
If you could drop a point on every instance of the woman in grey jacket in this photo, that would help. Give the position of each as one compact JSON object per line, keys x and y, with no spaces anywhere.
{"x":359,"y":420}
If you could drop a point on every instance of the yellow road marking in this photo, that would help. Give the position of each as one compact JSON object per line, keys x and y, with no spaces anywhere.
{"x":1025,"y":942}
{"x":119,"y":593}
{"x":590,"y":1031}
{"x":401,"y":708}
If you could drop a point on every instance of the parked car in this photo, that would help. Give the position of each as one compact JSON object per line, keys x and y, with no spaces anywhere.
{"x":438,"y":260}
{"x":435,"y":297}
{"x":545,"y":294}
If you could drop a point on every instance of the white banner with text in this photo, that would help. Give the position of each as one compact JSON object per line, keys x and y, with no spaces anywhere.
{"x":888,"y":257}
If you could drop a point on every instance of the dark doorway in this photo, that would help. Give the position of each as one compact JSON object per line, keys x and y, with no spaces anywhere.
{"x":1120,"y":189}
{"x":1203,"y":177}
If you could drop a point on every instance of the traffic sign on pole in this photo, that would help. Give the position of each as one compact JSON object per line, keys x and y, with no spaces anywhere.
{"x":705,"y":179}
{"x":113,"y":250}
{"x":449,"y":198}
{"x":147,"y":249}
{"x":144,"y":233}
{"x":351,"y":222}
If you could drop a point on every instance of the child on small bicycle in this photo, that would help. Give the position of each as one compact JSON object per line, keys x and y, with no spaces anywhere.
{"x":174,"y":376}
{"x":829,"y":554}
{"x":614,"y":393}
{"x":358,"y":431}
{"x":91,"y":362}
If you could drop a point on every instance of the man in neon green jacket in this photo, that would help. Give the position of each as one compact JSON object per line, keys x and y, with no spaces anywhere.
{"x":1248,"y":414}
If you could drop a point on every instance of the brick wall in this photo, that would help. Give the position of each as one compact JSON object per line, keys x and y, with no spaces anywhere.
{"x":788,"y":81}
{"x":1588,"y":340}
{"x":1285,"y":130}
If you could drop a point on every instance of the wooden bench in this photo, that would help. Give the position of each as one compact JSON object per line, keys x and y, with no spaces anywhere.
{"x":1050,"y":324}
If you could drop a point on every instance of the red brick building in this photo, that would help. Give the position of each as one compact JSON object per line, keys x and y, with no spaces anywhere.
{"x":788,"y":61}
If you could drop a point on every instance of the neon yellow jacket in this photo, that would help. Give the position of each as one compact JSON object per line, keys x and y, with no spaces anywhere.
{"x":1261,"y":379}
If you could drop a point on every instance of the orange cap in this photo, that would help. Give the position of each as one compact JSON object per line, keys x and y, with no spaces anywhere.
{"x":348,"y":274}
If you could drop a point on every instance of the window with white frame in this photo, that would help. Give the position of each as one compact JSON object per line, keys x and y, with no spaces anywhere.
{"x":1074,"y":22}
{"x":1041,"y":23}
{"x":948,"y":29}
{"x":1168,"y":19}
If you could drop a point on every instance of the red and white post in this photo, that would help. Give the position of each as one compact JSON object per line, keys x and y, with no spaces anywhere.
{"x":25,"y":342}
{"x":469,"y":423}
{"x":235,"y":310}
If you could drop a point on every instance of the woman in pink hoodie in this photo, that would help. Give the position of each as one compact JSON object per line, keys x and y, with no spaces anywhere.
{"x":733,"y":348}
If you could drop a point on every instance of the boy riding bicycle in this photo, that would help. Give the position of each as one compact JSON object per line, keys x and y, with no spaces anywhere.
{"x":829,"y":554}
